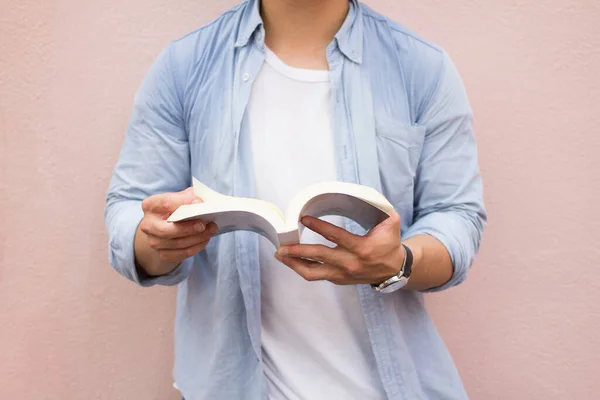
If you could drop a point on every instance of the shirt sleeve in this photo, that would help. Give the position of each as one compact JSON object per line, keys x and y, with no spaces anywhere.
{"x":448,"y":187}
{"x":155,"y":158}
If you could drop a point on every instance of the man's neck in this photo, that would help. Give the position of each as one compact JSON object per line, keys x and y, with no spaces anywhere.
{"x":299,"y":31}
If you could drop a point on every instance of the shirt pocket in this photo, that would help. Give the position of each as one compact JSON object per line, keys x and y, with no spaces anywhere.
{"x":399,"y":148}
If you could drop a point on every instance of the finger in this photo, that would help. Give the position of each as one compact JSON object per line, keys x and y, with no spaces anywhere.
{"x":333,"y":233}
{"x":316,"y":252}
{"x":312,"y":271}
{"x":180,"y":243}
{"x":167,"y":230}
{"x":181,"y":254}
{"x":167,"y":203}
{"x":162,"y":229}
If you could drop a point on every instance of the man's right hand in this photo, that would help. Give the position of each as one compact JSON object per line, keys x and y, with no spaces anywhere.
{"x":160,"y":245}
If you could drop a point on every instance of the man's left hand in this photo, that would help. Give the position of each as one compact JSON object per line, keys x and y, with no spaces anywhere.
{"x":369,"y":259}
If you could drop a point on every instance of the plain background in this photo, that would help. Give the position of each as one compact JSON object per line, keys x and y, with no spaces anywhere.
{"x":524,"y":325}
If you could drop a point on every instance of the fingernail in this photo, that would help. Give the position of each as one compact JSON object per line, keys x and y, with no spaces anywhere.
{"x":199,"y":227}
{"x":305,"y":221}
{"x":283,"y":252}
{"x":197,"y":201}
{"x":277,"y":256}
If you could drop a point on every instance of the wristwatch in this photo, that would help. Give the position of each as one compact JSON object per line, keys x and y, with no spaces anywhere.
{"x":397,"y":281}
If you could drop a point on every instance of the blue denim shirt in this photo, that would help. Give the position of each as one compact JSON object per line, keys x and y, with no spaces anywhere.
{"x":402,"y":124}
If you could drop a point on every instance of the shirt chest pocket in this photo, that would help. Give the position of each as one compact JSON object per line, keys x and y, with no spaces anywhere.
{"x":399,"y":148}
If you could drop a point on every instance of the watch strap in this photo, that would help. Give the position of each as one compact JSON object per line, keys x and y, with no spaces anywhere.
{"x":404,"y":273}
{"x":408,"y":261}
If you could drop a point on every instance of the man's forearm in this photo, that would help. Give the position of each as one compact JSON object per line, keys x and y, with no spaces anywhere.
{"x":432,"y":265}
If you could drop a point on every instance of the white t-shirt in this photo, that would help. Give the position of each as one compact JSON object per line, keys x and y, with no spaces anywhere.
{"x":314,"y":339}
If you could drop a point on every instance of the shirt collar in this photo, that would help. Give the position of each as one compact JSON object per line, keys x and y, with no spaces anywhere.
{"x":349,"y":38}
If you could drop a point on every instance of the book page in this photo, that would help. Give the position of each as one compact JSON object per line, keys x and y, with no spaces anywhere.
{"x":230,"y":216}
{"x":232,"y":213}
{"x":358,"y":210}
{"x":362,"y":204}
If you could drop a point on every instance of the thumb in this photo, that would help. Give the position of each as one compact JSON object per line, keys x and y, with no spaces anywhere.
{"x":167,"y":203}
{"x":193,"y":199}
{"x":186,"y":196}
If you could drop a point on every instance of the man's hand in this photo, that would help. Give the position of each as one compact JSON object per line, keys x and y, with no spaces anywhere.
{"x":160,"y":245}
{"x":369,"y":259}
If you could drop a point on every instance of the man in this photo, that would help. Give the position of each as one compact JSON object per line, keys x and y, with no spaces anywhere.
{"x":270,"y":97}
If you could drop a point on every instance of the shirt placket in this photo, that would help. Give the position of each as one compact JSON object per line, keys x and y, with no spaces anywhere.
{"x":249,"y":62}
{"x":357,"y":163}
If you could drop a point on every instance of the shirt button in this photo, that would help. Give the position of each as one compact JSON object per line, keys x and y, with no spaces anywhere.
{"x":246,"y":76}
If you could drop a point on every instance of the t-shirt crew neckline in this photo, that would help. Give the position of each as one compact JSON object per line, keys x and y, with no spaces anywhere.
{"x":298,"y":74}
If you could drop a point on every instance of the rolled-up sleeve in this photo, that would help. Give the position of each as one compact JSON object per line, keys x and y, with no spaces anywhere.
{"x":154,"y":159}
{"x":448,"y":187}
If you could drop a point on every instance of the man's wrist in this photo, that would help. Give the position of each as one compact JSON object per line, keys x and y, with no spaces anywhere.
{"x":400,"y":279}
{"x":147,"y":261}
{"x":417,"y":253}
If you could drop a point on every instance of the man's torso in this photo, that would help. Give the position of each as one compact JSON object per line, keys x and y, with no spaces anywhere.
{"x":314,"y":339}
{"x":380,"y":79}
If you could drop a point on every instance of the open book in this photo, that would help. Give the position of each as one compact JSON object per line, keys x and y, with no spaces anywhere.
{"x":364,"y":205}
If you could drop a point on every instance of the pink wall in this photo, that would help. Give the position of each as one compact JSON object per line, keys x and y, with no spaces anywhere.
{"x":524,"y":326}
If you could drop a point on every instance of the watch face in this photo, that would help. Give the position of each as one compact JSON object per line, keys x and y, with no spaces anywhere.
{"x":394,"y":286}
